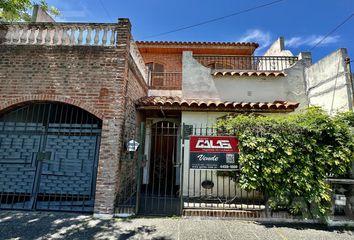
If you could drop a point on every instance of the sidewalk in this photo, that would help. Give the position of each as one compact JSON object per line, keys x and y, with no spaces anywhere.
{"x":45,"y":225}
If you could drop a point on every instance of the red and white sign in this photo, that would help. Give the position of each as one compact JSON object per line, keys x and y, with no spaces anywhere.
{"x":221,"y":144}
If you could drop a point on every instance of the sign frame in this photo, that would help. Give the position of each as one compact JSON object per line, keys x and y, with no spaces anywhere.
{"x":213,"y":153}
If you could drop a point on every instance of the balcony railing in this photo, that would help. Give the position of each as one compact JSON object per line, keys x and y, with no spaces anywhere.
{"x":165,"y":80}
{"x":67,"y":34}
{"x":247,"y":63}
{"x":95,"y":34}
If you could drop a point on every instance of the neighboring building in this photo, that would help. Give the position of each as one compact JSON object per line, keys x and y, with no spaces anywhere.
{"x":73,"y":95}
{"x":40,"y":15}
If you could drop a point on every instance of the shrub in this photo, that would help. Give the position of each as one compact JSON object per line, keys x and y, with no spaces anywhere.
{"x":290,"y":157}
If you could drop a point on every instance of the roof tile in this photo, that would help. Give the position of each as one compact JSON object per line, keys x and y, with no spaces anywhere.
{"x":253,"y":44}
{"x":249,"y":73}
{"x":158,"y":101}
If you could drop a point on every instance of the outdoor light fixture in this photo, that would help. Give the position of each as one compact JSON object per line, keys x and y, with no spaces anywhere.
{"x":132,"y":145}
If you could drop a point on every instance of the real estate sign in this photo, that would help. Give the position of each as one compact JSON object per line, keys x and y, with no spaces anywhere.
{"x":213,"y":152}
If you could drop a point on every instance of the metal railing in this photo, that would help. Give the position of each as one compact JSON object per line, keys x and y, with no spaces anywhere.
{"x":48,"y":158}
{"x":94,"y":34}
{"x":247,"y":63}
{"x":215,"y":188}
{"x":166,"y":80}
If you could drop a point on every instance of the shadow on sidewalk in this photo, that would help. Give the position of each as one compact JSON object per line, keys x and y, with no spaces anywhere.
{"x":307,"y":226}
{"x":47,"y":225}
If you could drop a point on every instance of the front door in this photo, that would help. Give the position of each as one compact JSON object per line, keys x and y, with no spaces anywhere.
{"x":160,"y":182}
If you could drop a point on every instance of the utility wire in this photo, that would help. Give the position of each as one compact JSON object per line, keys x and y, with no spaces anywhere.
{"x":106,"y":11}
{"x":331,"y":32}
{"x":214,"y":19}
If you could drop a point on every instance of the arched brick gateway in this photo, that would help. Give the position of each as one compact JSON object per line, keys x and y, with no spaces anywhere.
{"x":13,"y":103}
{"x":48,"y":156}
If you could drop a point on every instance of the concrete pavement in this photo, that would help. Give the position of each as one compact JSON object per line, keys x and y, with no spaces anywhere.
{"x":45,"y":225}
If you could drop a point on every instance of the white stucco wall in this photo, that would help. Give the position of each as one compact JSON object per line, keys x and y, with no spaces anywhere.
{"x":278,"y":49}
{"x":198,"y":82}
{"x":328,"y":83}
{"x":156,"y":92}
{"x":192,"y":179}
{"x":201,"y":119}
{"x":250,"y":89}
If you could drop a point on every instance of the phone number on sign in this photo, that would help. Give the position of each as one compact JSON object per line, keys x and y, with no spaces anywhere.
{"x":228,"y":166}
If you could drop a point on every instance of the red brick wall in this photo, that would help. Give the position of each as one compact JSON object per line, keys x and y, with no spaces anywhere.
{"x":80,"y":75}
{"x":97,"y":79}
{"x":126,"y":182}
{"x":172,"y":62}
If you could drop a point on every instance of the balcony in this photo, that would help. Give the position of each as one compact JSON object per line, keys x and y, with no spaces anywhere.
{"x":86,"y":34}
{"x":165,"y":80}
{"x":246,"y":63}
{"x":59,"y":34}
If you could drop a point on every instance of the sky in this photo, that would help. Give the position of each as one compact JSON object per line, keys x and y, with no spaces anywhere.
{"x":301,"y":22}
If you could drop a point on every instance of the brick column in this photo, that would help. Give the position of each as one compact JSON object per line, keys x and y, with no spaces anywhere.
{"x":112,"y":128}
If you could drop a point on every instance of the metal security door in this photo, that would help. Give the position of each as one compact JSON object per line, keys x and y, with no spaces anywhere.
{"x":160,"y":185}
{"x":48,"y":158}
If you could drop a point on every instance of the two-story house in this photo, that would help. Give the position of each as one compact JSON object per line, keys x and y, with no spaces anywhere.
{"x":75,"y":96}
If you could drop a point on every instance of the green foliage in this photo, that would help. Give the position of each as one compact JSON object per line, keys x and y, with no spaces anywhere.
{"x":346,"y":117}
{"x":19,"y":10}
{"x":290,"y":157}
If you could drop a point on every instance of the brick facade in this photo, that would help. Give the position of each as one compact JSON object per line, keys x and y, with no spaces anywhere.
{"x":101,"y":80}
{"x":172,"y":61}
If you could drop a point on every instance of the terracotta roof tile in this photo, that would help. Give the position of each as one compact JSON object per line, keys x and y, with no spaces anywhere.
{"x":177,"y":103}
{"x":253,"y":44}
{"x":248,"y":73}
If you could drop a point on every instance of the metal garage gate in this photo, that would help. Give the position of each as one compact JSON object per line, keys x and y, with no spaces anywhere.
{"x":48,"y":157}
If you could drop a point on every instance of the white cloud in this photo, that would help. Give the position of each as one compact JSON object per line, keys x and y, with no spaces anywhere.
{"x":310,"y":40}
{"x":264,"y":39}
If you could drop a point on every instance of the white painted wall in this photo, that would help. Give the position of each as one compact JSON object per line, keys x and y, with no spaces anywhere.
{"x":156,"y":92}
{"x":250,"y":89}
{"x":201,"y":118}
{"x":199,"y":83}
{"x":328,"y":83}
{"x":278,"y":49}
{"x":192,"y":179}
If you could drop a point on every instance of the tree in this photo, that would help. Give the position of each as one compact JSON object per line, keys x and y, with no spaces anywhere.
{"x":20,"y":10}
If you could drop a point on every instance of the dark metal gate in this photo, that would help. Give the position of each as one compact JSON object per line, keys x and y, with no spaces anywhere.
{"x":214,"y":188}
{"x":160,"y":175}
{"x":48,"y":157}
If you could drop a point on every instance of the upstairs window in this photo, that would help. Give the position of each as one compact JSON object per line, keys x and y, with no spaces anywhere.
{"x":157,"y":74}
{"x":155,"y":67}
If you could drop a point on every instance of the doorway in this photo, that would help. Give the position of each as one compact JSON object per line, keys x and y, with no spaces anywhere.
{"x":160,"y":188}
